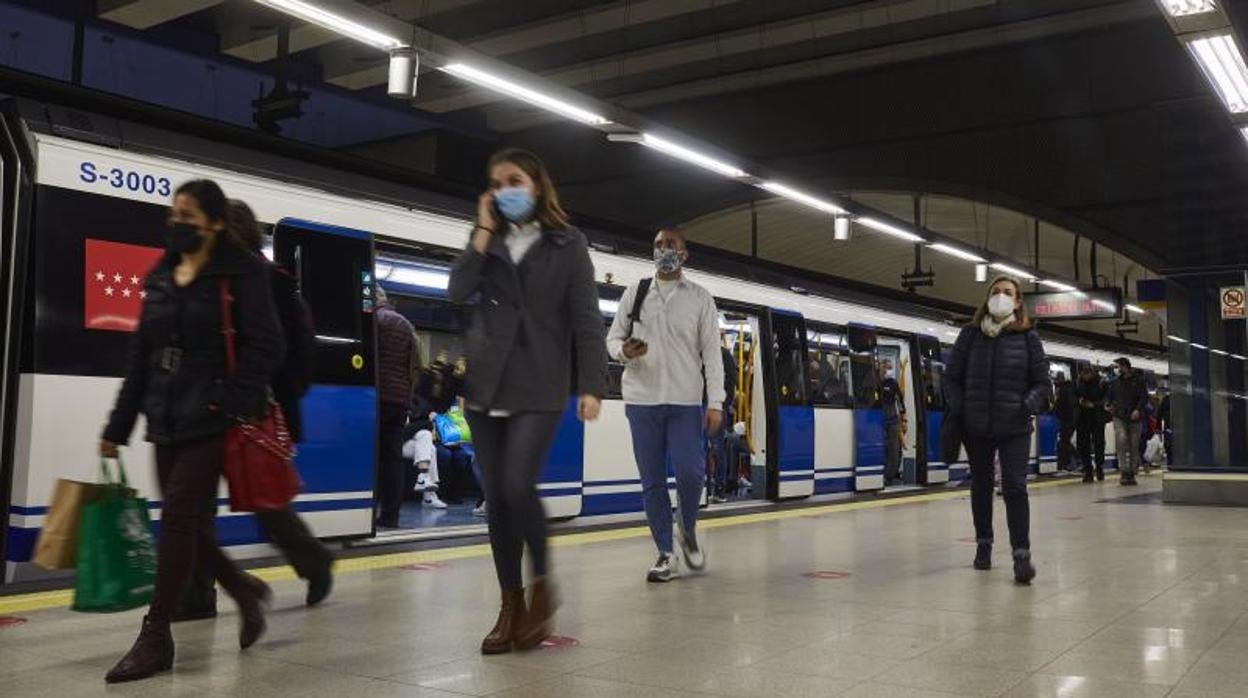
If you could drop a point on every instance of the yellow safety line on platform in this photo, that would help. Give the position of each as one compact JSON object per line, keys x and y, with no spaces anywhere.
{"x":60,"y":598}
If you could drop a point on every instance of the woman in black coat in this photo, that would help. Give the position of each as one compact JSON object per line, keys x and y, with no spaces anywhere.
{"x":176,"y":377}
{"x":996,"y":381}
{"x":535,"y":324}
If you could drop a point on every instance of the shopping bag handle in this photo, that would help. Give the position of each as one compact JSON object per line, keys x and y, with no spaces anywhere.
{"x":121,"y":472}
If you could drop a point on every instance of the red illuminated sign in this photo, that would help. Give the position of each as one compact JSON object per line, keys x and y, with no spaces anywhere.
{"x":1075,"y":305}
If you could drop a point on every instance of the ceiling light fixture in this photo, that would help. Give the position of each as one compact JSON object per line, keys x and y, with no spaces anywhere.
{"x":680,"y":152}
{"x":525,"y":94}
{"x":404,"y":67}
{"x":1058,"y":285}
{"x":890,"y":229}
{"x":1015,"y":271}
{"x":802,"y":198}
{"x":981,"y":272}
{"x":334,"y":22}
{"x":1135,"y":309}
{"x":1198,"y":346}
{"x":1223,"y":64}
{"x":1176,"y":338}
{"x":1105,"y":305}
{"x":956,"y":252}
{"x":1219,"y":352}
{"x":1185,"y":8}
{"x":840,"y":228}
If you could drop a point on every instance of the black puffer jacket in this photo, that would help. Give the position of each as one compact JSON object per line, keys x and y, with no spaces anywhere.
{"x":175,"y":374}
{"x":997,"y":384}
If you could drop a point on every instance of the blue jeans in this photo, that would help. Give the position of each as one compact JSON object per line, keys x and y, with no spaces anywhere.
{"x":663,"y":435}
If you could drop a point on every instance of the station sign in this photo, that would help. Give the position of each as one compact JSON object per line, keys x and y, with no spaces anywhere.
{"x":1093,"y":304}
{"x":1232,"y":300}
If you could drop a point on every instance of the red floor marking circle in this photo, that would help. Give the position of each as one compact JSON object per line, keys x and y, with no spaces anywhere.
{"x":6,"y":621}
{"x":825,"y":574}
{"x":423,"y":566}
{"x":555,"y":641}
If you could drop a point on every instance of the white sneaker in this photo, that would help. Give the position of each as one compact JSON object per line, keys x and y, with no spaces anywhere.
{"x":663,"y":569}
{"x":423,"y":484}
{"x":432,"y":500}
{"x":689,"y":549}
{"x":480,"y":510}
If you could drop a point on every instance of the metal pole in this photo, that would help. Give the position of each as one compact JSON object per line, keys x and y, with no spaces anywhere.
{"x":753,"y":231}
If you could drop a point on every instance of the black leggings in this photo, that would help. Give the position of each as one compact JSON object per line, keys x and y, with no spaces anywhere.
{"x":1014,"y":452}
{"x":512,"y":451}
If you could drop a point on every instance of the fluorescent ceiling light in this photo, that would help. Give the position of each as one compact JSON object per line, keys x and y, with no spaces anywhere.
{"x":680,"y":152}
{"x":1022,"y":274}
{"x":1135,"y":309}
{"x":1176,"y":338}
{"x":890,"y":229}
{"x":1057,"y":285}
{"x":524,"y":94}
{"x":1198,"y":346}
{"x":1105,"y":305}
{"x":1223,"y":65}
{"x":956,"y":252}
{"x":334,"y":22}
{"x":802,"y":198}
{"x":1219,"y":352}
{"x":413,"y":276}
{"x":1184,"y":8}
{"x":1237,"y":357}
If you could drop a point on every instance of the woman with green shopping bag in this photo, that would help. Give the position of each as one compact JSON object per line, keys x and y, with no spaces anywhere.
{"x":176,"y":377}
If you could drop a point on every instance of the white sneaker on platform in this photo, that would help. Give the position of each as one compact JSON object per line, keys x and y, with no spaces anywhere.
{"x":663,"y":569}
{"x":432,"y":500}
{"x":480,"y":510}
{"x":689,"y":549}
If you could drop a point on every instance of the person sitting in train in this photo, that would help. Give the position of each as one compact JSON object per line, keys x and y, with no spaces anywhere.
{"x":718,"y":455}
{"x":398,"y":364}
{"x":671,"y":354}
{"x":176,"y":376}
{"x":536,"y":338}
{"x":996,"y":382}
{"x":420,"y":451}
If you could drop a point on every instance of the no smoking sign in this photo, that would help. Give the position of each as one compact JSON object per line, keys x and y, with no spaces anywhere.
{"x":1233,"y":303}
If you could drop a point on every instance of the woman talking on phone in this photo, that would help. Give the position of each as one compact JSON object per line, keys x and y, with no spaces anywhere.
{"x":176,"y":377}
{"x":996,"y":381}
{"x":536,"y":317}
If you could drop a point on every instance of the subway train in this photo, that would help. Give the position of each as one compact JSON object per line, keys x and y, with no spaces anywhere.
{"x":83,"y":216}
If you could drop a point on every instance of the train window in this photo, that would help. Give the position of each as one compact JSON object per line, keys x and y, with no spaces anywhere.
{"x":933,"y":365}
{"x":828,"y":374}
{"x":789,"y":352}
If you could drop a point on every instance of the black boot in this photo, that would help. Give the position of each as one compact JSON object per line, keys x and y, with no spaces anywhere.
{"x":251,"y":600}
{"x":983,"y":556}
{"x":1087,"y":475}
{"x":1100,"y":473}
{"x":151,"y":654}
{"x":1024,"y":572}
{"x":320,"y":584}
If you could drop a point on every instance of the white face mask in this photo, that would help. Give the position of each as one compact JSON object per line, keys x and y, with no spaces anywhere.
{"x":1000,"y":305}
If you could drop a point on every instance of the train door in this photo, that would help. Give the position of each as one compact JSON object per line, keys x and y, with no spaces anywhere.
{"x":931,"y":387}
{"x":791,"y":463}
{"x":830,"y":391}
{"x":15,"y":179}
{"x":737,"y":470}
{"x":896,"y":362}
{"x":337,"y":457}
{"x":1048,"y":432}
{"x":868,"y":417}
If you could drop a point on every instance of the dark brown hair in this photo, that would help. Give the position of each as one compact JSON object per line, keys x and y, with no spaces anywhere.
{"x":208,"y":195}
{"x":548,"y":212}
{"x":1022,"y":319}
{"x":242,"y":227}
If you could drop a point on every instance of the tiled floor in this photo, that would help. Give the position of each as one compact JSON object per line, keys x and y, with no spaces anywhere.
{"x":1131,"y":600}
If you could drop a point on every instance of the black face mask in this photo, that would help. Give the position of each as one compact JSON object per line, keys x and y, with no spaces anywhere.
{"x":183,"y":238}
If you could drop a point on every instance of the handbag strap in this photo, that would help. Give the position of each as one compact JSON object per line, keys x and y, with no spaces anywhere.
{"x":107,"y":476}
{"x":227,"y":325}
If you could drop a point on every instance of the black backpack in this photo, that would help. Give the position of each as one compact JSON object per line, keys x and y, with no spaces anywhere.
{"x":292,"y":379}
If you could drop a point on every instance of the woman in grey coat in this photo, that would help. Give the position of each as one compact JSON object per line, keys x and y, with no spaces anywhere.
{"x":536,"y":327}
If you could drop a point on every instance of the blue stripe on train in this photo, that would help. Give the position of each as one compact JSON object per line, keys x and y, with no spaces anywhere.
{"x":869,"y":441}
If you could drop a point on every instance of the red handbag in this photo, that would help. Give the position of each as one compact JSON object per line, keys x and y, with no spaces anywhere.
{"x":259,"y":456}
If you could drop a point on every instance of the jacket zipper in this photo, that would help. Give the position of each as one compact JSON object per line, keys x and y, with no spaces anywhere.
{"x":992,"y":384}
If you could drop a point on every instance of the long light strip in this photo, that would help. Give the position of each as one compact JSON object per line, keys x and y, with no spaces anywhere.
{"x":889,"y":229}
{"x":691,"y":156}
{"x":1186,"y":8}
{"x":802,"y":198}
{"x":1105,"y":305}
{"x":1015,"y":271}
{"x":1223,"y":64}
{"x":1135,"y":309}
{"x":525,"y":94}
{"x":1176,"y":338}
{"x":1058,"y":285}
{"x":1198,"y":346}
{"x":1219,"y":352}
{"x":334,"y":22}
{"x":957,"y":252}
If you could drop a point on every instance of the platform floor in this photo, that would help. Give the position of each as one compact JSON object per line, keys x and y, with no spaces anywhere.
{"x":1133,"y":599}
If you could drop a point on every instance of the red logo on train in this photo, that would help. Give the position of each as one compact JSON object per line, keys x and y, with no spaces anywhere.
{"x":113,"y":286}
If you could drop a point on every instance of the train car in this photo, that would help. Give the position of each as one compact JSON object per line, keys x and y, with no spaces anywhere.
{"x":83,"y":222}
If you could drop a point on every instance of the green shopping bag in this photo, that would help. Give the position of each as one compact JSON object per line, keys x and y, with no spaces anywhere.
{"x":116,"y":551}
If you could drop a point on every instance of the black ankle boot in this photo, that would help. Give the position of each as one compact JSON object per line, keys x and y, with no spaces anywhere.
{"x":151,"y":654}
{"x":251,"y":600}
{"x":1024,"y":571}
{"x":983,"y":556}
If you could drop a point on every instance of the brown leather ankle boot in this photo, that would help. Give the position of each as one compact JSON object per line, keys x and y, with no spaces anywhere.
{"x":510,"y":615}
{"x":251,"y":599}
{"x":151,"y":654}
{"x":535,"y":627}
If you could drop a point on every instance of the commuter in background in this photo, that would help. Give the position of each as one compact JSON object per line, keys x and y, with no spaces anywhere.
{"x":1090,"y":422}
{"x":667,"y":352}
{"x":893,"y":404}
{"x":719,"y":439}
{"x":1064,"y":409}
{"x":175,"y":375}
{"x":996,"y":382}
{"x":398,"y":360}
{"x":1167,"y":427}
{"x":1125,"y":403}
{"x":535,"y":323}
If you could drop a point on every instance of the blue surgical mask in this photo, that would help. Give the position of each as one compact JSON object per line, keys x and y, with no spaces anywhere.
{"x":515,"y":203}
{"x":667,"y":261}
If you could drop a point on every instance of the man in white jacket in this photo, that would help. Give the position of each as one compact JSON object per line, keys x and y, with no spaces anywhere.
{"x":670,"y":350}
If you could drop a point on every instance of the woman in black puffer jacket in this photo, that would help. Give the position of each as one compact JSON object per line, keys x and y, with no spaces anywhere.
{"x":996,"y":381}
